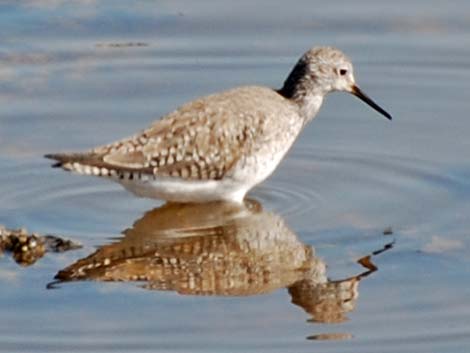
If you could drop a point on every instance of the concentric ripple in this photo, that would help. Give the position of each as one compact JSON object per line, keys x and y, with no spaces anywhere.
{"x":324,"y":182}
{"x":309,"y":182}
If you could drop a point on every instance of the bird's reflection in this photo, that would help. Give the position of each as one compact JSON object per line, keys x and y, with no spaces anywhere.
{"x":220,"y":249}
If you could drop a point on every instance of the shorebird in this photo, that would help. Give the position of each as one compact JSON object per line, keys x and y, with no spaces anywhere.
{"x":220,"y":146}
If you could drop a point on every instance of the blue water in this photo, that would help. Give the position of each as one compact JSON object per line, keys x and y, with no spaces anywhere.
{"x":78,"y":74}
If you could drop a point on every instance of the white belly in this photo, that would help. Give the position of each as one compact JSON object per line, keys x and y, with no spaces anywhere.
{"x":179,"y":190}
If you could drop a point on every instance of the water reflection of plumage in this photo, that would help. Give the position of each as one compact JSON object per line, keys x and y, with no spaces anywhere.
{"x":219,"y":249}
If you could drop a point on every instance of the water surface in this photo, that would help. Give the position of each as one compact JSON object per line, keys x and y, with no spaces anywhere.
{"x":317,"y":273}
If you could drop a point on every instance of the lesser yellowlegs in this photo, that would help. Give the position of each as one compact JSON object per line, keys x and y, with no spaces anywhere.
{"x":220,"y":146}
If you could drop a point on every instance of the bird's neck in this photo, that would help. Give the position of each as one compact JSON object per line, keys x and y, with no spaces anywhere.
{"x":309,"y":106}
{"x":303,"y":91}
{"x":308,"y":101}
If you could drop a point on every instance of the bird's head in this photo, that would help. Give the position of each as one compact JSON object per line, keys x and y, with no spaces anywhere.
{"x":322,"y":70}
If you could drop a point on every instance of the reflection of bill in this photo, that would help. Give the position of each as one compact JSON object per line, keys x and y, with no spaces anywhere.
{"x":219,"y":249}
{"x":329,"y":301}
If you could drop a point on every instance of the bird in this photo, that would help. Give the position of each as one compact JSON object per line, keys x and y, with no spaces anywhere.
{"x":218,"y":147}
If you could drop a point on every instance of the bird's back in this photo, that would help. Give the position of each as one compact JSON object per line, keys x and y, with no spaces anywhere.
{"x":220,"y":136}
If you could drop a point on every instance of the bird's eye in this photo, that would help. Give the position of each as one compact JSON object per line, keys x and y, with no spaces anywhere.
{"x":343,"y":72}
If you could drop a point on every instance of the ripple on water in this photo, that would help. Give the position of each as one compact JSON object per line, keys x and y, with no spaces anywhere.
{"x":288,"y":198}
{"x":310,"y":181}
{"x":338,"y":182}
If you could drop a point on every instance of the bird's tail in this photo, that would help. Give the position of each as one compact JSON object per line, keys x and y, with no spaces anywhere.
{"x":91,"y":164}
{"x":64,"y":159}
{"x":83,"y":163}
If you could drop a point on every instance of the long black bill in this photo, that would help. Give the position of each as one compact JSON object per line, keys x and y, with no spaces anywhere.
{"x":365,"y":98}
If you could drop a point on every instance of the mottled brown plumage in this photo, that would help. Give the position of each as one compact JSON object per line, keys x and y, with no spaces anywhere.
{"x":202,"y":140}
{"x":205,"y":138}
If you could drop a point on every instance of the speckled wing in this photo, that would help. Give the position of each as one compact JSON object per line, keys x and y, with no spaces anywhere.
{"x":201,"y":140}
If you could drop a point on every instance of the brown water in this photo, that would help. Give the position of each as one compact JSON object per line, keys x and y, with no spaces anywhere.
{"x":306,"y":267}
